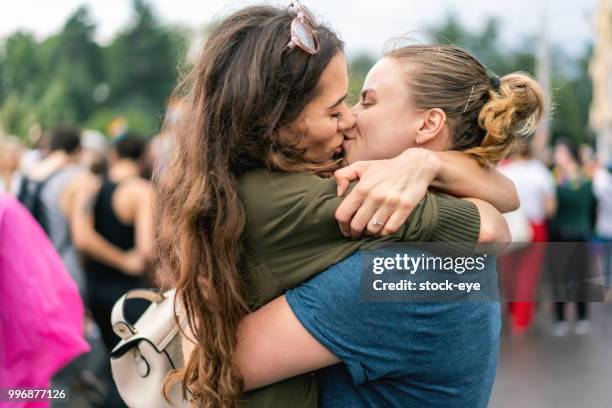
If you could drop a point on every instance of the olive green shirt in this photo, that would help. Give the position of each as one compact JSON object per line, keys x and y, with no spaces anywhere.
{"x":292,"y":235}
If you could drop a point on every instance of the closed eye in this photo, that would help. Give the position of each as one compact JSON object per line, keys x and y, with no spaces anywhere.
{"x":365,"y":99}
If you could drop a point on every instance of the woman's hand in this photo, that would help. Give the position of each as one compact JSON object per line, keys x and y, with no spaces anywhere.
{"x":387,"y":192}
{"x":133,"y":263}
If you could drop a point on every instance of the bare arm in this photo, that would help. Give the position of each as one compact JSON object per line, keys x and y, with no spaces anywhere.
{"x":264,"y":360}
{"x":144,"y":221}
{"x":273,"y":345}
{"x":493,"y":227}
{"x":550,"y":205}
{"x":389,"y":189}
{"x":462,"y":176}
{"x":87,"y":239}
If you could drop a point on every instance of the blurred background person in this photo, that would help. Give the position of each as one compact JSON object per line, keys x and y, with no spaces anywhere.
{"x":94,"y":147}
{"x":37,"y":143}
{"x":117,"y":207}
{"x":11,"y":150}
{"x":588,"y":162}
{"x":602,"y":188}
{"x":536,"y":189}
{"x":49,"y":194}
{"x":569,"y":264}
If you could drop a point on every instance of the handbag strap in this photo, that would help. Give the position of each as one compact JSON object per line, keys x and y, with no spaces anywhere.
{"x":121,"y":326}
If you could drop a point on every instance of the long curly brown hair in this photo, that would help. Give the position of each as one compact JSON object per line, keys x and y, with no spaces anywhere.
{"x":245,"y":87}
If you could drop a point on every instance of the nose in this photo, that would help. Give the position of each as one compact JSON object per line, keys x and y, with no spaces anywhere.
{"x":348,"y":122}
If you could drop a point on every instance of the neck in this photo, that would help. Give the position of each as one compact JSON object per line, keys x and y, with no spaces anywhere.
{"x":60,"y":157}
{"x":123,"y":169}
{"x":569,"y":170}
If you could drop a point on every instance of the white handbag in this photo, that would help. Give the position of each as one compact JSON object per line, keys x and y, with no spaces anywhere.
{"x":149,"y":349}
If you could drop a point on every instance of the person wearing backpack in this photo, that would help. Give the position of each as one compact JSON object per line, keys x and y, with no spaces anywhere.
{"x":49,"y":190}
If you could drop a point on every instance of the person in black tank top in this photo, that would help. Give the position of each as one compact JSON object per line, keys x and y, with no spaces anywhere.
{"x":120,"y":196}
{"x":106,"y":283}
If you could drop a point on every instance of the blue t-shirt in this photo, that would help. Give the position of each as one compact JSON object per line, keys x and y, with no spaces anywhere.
{"x":398,"y":354}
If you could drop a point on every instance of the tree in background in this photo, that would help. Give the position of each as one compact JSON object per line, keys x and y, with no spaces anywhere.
{"x":20,"y":66}
{"x":68,"y":77}
{"x":141,"y":65}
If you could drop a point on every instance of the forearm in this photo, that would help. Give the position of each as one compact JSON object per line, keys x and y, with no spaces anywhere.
{"x":550,"y":206}
{"x":96,"y":247}
{"x":461,"y":176}
{"x":493,"y":226}
{"x":273,"y":345}
{"x":145,"y":225}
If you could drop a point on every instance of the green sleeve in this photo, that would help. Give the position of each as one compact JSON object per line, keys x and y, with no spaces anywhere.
{"x":292,"y":233}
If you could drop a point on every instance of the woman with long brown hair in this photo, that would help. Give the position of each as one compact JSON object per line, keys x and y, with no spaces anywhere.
{"x":245,"y":210}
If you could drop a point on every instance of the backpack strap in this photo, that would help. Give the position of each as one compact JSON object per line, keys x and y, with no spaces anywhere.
{"x":30,"y":197}
{"x":121,"y":326}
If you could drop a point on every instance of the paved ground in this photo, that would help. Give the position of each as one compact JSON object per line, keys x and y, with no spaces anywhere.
{"x":542,"y":371}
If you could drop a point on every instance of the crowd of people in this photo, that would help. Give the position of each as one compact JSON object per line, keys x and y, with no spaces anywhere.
{"x":568,"y":200}
{"x":93,"y":200}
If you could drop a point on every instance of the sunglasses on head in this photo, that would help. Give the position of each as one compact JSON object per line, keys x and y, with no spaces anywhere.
{"x":303,"y":34}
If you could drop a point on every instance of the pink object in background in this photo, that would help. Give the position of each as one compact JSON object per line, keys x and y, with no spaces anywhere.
{"x":41,"y":312}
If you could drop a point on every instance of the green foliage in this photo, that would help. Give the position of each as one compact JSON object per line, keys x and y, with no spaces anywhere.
{"x":571,"y":87}
{"x":141,"y":61}
{"x":359,"y":67}
{"x":20,"y":64}
{"x":16,"y":115}
{"x":56,"y":80}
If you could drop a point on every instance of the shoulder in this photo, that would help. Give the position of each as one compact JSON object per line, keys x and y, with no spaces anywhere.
{"x":137,"y":184}
{"x":83,"y":183}
{"x":538,"y":166}
{"x":282,"y":189}
{"x":82,"y":178}
{"x":135,"y":191}
{"x":40,"y":171}
{"x":540,"y":173}
{"x":277,"y":180}
{"x":281,"y":206}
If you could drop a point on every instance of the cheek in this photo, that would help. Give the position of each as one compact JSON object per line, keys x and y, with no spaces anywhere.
{"x":322,"y":132}
{"x":321,"y":138}
{"x":383,"y":135}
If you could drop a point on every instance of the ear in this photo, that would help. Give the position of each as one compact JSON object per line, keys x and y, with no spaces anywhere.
{"x":432,"y":126}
